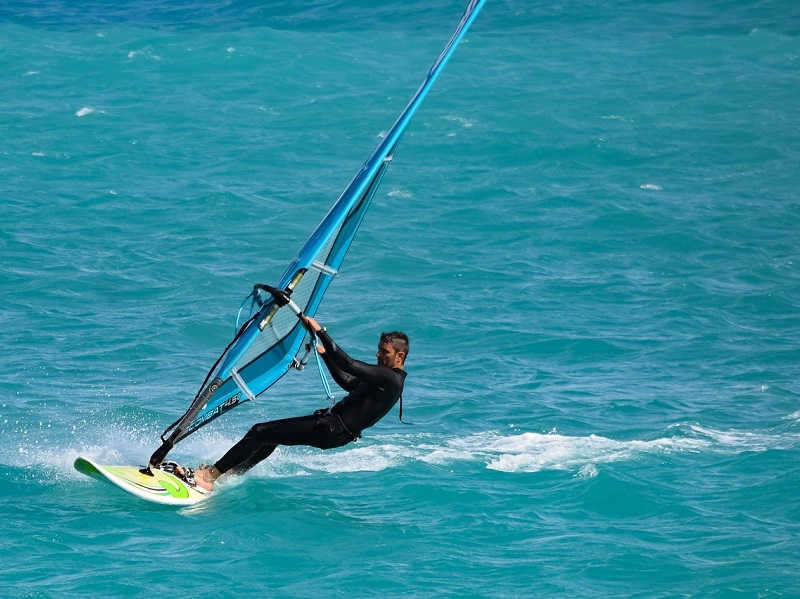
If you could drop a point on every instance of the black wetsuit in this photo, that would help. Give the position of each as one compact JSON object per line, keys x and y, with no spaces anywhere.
{"x":373,"y":391}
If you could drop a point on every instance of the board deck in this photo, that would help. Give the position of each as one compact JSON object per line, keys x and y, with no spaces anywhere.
{"x":162,"y":487}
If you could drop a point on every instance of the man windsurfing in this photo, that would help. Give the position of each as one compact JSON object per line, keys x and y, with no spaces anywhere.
{"x":373,"y":390}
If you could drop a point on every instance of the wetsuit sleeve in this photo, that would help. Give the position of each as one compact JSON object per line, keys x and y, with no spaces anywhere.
{"x":338,"y":361}
{"x":332,"y":359}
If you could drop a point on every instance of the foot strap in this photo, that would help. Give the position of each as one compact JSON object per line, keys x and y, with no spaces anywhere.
{"x":182,"y":472}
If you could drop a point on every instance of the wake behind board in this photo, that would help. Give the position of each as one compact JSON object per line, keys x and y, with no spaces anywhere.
{"x":162,"y":487}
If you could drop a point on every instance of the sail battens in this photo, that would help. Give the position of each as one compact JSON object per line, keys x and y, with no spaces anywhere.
{"x":323,"y":268}
{"x":242,"y":385}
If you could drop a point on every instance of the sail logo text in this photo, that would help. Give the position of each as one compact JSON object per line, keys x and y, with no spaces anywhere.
{"x":220,"y":409}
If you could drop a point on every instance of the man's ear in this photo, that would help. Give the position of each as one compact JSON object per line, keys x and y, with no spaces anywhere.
{"x":402,"y":356}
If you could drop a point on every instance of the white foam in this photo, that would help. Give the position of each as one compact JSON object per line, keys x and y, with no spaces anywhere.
{"x":734,"y":441}
{"x":651,"y":186}
{"x":526,"y":452}
{"x":354,"y":458}
{"x":466,"y":123}
{"x":145,"y":52}
{"x":532,"y":452}
{"x":87,"y":110}
{"x":616,"y":117}
{"x":587,"y":471}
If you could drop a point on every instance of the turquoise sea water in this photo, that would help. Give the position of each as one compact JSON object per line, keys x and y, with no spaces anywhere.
{"x":590,"y":233}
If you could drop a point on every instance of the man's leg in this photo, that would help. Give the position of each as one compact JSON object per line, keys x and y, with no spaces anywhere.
{"x":261,"y":454}
{"x":316,"y":430}
{"x":261,"y":440}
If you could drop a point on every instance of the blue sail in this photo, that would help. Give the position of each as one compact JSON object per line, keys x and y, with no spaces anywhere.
{"x":265,"y":347}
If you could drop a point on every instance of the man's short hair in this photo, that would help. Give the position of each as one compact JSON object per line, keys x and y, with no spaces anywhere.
{"x":398,"y":340}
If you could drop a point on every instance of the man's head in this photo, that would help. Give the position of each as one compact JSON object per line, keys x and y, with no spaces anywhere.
{"x":392,"y":349}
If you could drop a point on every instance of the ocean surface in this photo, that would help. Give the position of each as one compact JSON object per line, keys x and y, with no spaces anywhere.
{"x":591,"y":234}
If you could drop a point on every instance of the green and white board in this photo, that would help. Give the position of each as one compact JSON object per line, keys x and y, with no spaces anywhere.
{"x":160,"y":487}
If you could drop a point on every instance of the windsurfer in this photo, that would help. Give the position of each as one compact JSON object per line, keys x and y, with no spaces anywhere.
{"x":373,"y":390}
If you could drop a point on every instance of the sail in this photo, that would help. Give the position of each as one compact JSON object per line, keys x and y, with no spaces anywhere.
{"x":265,"y":347}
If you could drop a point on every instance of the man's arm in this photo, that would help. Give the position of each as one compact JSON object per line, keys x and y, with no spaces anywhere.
{"x":346,"y":381}
{"x":336,"y":357}
{"x":339,"y":362}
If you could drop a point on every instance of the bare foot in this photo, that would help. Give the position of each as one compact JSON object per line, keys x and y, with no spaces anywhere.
{"x":203,"y":479}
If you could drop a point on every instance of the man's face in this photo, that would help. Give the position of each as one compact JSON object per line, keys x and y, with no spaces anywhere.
{"x":387,"y":356}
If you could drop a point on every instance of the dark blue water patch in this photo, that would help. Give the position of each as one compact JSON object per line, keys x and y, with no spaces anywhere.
{"x":226,"y":14}
{"x":612,"y":19}
{"x":605,"y":19}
